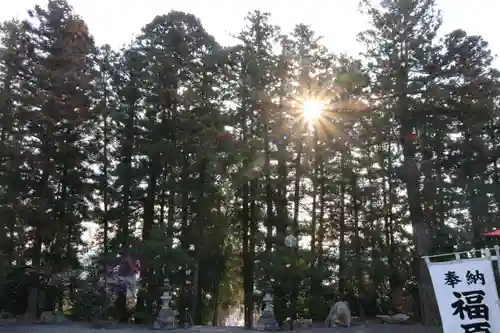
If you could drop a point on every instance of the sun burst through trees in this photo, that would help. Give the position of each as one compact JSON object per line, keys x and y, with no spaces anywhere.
{"x":312,"y":109}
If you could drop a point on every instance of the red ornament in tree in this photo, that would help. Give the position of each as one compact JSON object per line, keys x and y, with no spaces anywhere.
{"x":411,"y":136}
{"x":224,"y":136}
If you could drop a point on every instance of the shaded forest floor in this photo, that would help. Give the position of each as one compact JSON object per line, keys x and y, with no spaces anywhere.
{"x":375,"y":328}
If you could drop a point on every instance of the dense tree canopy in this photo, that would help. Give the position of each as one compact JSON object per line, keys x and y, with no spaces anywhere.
{"x":201,"y":159}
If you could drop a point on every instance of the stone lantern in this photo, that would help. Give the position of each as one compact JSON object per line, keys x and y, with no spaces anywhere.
{"x":166,"y":317}
{"x":267,"y":321}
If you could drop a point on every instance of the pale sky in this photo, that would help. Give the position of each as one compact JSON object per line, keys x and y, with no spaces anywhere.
{"x":115,"y":22}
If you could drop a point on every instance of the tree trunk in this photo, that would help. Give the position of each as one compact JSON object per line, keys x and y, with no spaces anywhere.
{"x":342,"y":226}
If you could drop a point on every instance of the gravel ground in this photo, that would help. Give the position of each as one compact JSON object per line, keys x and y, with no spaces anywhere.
{"x":375,"y":328}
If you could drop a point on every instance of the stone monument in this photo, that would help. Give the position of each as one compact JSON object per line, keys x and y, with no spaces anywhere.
{"x":267,"y":322}
{"x":166,"y":318}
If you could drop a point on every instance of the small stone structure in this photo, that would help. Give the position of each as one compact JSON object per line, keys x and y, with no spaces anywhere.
{"x":166,"y":318}
{"x":267,"y":322}
{"x":399,"y":318}
{"x":339,"y":315}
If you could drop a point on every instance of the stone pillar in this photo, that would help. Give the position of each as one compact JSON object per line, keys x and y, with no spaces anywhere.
{"x":166,"y":318}
{"x":267,"y":322}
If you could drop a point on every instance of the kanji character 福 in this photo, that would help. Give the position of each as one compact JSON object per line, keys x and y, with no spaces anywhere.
{"x":472,"y":306}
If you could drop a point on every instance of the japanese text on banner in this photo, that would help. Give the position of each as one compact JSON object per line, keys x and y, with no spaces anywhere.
{"x":467,"y":295}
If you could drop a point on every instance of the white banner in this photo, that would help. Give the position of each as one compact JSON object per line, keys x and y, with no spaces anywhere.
{"x":467,"y":295}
